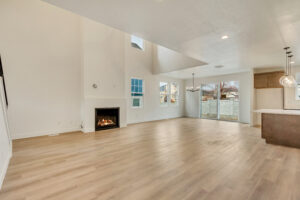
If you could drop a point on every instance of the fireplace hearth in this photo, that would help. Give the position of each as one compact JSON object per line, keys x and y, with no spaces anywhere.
{"x":107,"y":118}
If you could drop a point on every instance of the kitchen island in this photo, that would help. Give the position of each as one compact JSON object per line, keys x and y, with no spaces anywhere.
{"x":281,"y":127}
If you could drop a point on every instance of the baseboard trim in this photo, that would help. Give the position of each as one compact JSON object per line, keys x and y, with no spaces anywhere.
{"x":43,"y":133}
{"x":4,"y":170}
{"x":153,"y":120}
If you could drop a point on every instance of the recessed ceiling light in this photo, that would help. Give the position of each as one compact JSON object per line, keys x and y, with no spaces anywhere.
{"x":224,"y":37}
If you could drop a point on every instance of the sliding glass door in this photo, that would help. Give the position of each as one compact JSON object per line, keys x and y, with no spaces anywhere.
{"x":229,"y":101}
{"x":220,"y":101}
{"x":209,"y":101}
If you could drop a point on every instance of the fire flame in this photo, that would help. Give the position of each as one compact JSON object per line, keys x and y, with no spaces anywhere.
{"x":105,"y":122}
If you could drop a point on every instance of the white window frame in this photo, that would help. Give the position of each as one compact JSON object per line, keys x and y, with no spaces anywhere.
{"x":137,"y":97}
{"x":168,"y":94}
{"x":137,"y":42}
{"x":177,"y":97}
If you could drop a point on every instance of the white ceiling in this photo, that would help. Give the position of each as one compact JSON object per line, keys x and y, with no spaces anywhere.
{"x":204,"y":71}
{"x":257,"y":29}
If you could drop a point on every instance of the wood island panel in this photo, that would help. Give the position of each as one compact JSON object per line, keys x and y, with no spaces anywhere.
{"x":281,"y":129}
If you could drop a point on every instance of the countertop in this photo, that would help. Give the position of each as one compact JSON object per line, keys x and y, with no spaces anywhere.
{"x":278,"y":111}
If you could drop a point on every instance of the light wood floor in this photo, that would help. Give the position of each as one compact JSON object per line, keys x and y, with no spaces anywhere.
{"x":171,"y":159}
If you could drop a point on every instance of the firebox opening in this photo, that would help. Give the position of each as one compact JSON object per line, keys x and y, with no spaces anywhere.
{"x":106,"y":118}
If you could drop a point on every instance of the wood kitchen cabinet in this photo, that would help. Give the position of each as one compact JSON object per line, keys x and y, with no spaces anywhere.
{"x":268,"y":80}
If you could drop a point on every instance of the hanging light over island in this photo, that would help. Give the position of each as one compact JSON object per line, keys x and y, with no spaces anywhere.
{"x":288,"y":79}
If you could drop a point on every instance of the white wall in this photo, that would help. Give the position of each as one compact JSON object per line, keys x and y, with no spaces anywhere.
{"x":103,"y":60}
{"x":267,"y":98}
{"x":103,"y":65}
{"x":167,"y":60}
{"x":138,"y":64}
{"x":5,"y":142}
{"x":192,"y":105}
{"x":41,"y":55}
{"x":245,"y":94}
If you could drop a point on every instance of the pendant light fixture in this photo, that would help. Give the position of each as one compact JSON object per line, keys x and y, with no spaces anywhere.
{"x":288,"y":80}
{"x":193,"y":89}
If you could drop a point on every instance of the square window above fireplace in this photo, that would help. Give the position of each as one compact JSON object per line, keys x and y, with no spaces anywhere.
{"x":107,"y":118}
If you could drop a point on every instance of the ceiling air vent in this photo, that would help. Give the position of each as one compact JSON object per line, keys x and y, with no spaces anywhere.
{"x":219,"y":66}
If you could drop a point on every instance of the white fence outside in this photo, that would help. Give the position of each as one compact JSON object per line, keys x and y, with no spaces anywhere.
{"x":227,"y":107}
{"x":209,"y":107}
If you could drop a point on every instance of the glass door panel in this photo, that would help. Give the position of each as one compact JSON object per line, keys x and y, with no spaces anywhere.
{"x":229,"y":101}
{"x":209,"y":101}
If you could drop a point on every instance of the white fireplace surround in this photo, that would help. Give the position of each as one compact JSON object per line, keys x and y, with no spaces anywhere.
{"x":88,"y":112}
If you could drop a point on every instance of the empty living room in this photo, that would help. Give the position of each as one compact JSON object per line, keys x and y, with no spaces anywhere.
{"x":149,"y":100}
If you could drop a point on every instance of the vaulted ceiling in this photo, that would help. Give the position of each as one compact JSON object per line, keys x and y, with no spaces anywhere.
{"x":257,"y":30}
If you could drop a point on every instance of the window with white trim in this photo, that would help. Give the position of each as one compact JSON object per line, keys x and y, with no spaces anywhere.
{"x":164,"y":93}
{"x":137,"y":42}
{"x":174,"y":94}
{"x":137,"y":92}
